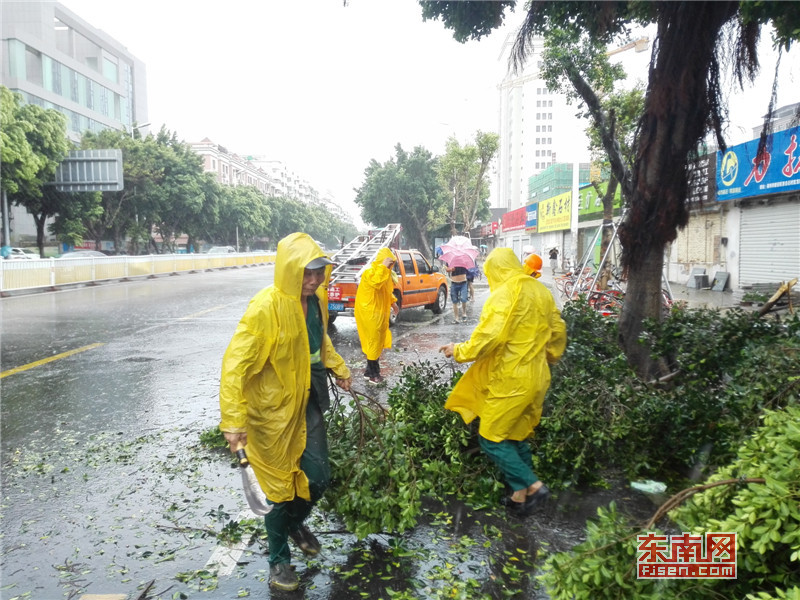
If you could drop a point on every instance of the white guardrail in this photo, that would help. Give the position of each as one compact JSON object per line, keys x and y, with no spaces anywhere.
{"x":18,"y":275}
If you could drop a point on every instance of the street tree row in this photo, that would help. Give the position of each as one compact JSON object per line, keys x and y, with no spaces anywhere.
{"x":166,"y":194}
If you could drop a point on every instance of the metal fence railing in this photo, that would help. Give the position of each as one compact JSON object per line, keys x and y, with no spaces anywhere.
{"x":18,"y":275}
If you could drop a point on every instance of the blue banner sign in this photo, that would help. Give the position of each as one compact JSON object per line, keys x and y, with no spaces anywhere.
{"x":531,"y":219}
{"x":743,"y":173}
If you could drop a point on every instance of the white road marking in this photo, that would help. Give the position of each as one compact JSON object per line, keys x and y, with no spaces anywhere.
{"x":225,"y":558}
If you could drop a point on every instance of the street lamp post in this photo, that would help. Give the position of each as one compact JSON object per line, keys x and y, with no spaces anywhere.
{"x":138,"y":127}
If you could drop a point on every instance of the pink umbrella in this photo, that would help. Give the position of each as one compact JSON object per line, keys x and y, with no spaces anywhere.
{"x":459,"y":252}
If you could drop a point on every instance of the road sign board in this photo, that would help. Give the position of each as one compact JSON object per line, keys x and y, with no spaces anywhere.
{"x":91,"y":171}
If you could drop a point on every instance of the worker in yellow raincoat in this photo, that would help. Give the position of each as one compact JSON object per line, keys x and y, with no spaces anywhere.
{"x":373,"y":305}
{"x":273,"y":392}
{"x":519,"y":335}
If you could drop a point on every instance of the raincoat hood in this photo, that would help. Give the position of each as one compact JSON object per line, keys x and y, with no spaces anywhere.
{"x":382,"y":255}
{"x":501,"y":265}
{"x":295,"y":251}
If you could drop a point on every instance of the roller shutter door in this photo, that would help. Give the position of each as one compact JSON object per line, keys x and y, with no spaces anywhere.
{"x":769,"y":247}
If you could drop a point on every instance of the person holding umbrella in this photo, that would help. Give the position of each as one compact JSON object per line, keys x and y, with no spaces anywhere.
{"x":519,"y":335}
{"x":459,"y":254}
{"x":274,"y":391}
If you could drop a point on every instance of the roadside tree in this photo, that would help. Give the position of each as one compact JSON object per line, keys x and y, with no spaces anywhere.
{"x":463,"y":172}
{"x":181,"y":195}
{"x":578,"y":66}
{"x":244,"y":215}
{"x":32,"y":163}
{"x":129,"y":213}
{"x":405,"y":189}
{"x":18,"y":162}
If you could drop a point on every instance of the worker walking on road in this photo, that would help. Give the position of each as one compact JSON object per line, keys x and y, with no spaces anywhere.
{"x":374,"y":302}
{"x":274,"y":391}
{"x":519,"y":335}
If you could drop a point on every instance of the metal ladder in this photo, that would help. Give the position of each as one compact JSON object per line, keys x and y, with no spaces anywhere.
{"x":363,"y":246}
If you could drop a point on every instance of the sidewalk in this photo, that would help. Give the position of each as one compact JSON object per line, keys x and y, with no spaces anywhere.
{"x":694,"y":298}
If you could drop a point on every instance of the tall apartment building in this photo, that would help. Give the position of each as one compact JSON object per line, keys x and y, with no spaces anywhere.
{"x":537,"y":129}
{"x":55,"y":59}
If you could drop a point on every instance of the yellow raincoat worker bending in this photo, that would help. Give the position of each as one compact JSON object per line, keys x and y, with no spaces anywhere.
{"x":374,"y":300}
{"x":519,"y":335}
{"x":273,"y":391}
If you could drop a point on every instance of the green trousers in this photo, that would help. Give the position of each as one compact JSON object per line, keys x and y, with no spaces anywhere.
{"x":288,"y":516}
{"x":513,"y":458}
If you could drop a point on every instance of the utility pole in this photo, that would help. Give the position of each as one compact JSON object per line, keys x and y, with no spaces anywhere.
{"x":6,"y":227}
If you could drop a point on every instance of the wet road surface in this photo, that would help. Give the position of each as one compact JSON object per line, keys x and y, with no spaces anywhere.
{"x":105,"y":391}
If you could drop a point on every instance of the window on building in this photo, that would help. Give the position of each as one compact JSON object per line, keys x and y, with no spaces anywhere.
{"x":549,"y":128}
{"x":110,"y":69}
{"x":89,"y":94}
{"x":549,"y":103}
{"x":538,"y":104}
{"x":550,"y":116}
{"x":33,"y":66}
{"x":103,"y":108}
{"x":63,"y":36}
{"x":549,"y":140}
{"x":86,"y":51}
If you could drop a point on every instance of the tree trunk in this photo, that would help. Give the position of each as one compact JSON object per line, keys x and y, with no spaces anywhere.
{"x":677,"y":111}
{"x":642,"y":300}
{"x":39,"y":220}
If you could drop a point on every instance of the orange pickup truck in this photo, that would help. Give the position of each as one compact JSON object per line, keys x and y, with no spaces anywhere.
{"x":420,"y":284}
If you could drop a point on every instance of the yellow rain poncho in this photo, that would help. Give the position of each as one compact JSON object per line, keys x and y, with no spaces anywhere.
{"x":266,"y":373}
{"x":374,"y":300}
{"x":520,"y":332}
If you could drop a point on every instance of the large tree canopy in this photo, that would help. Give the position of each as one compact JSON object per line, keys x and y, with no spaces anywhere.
{"x":463,"y":173}
{"x":406,"y":190}
{"x":34,"y":140}
{"x":684,"y":101}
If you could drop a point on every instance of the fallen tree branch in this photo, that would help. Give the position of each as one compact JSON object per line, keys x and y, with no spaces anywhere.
{"x":687,"y":493}
{"x":785,"y":288}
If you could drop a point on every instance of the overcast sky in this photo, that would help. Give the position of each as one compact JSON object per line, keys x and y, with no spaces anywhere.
{"x":324,"y":87}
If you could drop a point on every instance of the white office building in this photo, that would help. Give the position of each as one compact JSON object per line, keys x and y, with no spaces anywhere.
{"x":56,"y":60}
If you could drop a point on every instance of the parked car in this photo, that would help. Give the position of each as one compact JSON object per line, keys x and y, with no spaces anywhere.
{"x":83,"y":254}
{"x":221,"y":250}
{"x":23,"y":254}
